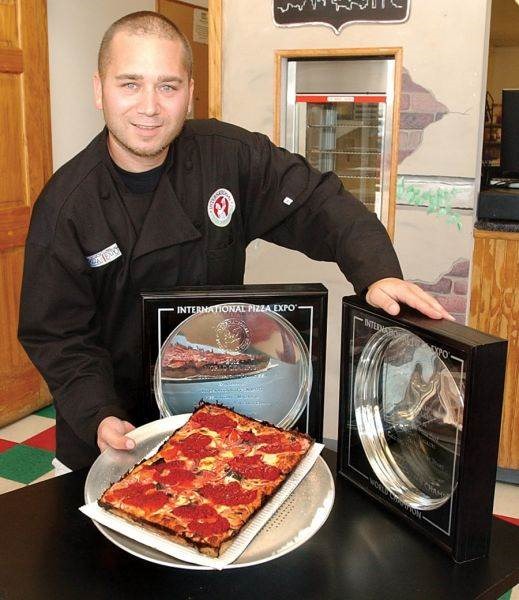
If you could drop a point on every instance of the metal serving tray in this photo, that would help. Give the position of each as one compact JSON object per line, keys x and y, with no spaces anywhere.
{"x":295,"y":522}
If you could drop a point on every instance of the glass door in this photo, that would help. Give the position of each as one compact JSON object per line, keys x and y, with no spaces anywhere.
{"x":345,"y":134}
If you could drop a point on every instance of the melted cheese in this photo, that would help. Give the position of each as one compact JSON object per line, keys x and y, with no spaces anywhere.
{"x":209,"y":432}
{"x":270,"y":459}
{"x":207,"y":463}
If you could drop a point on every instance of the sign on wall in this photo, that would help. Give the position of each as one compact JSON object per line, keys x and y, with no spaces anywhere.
{"x":339,"y":13}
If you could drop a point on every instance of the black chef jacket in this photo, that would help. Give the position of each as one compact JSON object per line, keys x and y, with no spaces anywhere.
{"x":85,"y":265}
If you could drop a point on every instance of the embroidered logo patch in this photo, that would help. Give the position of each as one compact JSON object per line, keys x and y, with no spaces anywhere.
{"x":220,"y":207}
{"x":103,"y":257}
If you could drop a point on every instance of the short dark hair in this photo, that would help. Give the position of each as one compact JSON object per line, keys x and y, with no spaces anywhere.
{"x":144,"y":23}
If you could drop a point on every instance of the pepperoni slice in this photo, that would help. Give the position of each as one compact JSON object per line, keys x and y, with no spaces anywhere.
{"x":196,"y":440}
{"x":270,"y":438}
{"x":170,"y":453}
{"x":149,"y":502}
{"x":154,"y":472}
{"x":195,"y":511}
{"x":203,"y":519}
{"x":171,"y":464}
{"x":249,"y":437}
{"x":231,"y":494}
{"x":194,"y":446}
{"x":215,"y":422}
{"x":133,"y":489}
{"x":207,"y":528}
{"x":176,"y":476}
{"x":279,"y":447}
{"x":252,"y":467}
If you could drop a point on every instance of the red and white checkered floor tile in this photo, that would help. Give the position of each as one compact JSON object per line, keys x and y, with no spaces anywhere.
{"x":27,"y":448}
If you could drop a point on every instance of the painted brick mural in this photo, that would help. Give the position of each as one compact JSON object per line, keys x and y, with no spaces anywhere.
{"x":418,"y":109}
{"x":451,"y":289}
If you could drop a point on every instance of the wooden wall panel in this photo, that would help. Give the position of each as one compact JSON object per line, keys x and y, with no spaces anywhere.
{"x":12,"y":143}
{"x":215,"y":59}
{"x":36,"y":96}
{"x":8,"y":24}
{"x":20,"y":385}
{"x":494,"y":308}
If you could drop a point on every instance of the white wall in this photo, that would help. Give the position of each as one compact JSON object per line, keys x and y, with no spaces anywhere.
{"x":75,"y":31}
{"x":444,"y":50}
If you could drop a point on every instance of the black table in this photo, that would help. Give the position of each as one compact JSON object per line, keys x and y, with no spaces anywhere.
{"x":49,"y":550}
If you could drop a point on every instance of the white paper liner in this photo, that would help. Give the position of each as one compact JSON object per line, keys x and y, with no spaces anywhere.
{"x":237,"y":546}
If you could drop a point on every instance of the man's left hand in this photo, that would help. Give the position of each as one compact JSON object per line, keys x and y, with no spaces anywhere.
{"x":388,"y":293}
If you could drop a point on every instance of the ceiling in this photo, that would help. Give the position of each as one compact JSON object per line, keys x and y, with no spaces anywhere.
{"x":504,"y":24}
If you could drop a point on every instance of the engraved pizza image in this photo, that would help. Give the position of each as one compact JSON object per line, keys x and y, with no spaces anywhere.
{"x":186,"y":362}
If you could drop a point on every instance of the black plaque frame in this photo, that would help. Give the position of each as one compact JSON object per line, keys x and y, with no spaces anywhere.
{"x":308,"y":305}
{"x":469,"y":510}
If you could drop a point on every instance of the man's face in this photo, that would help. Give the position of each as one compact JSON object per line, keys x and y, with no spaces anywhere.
{"x":145,"y":95}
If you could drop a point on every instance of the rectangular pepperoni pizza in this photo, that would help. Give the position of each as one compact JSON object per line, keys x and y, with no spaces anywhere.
{"x":208,"y":478}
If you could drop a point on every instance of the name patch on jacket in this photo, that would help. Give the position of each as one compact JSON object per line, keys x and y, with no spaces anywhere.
{"x":103,"y":257}
{"x":220,"y":207}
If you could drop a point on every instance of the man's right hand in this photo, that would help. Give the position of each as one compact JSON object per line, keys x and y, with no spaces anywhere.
{"x":111,"y":434}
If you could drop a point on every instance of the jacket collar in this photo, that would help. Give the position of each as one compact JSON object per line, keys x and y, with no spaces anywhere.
{"x":166,"y":223}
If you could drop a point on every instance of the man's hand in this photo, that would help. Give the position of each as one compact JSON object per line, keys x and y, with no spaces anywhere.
{"x":111,"y":434}
{"x":387,"y":293}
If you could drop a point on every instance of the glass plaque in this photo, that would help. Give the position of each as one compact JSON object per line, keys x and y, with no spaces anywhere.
{"x":419,"y":420}
{"x":258,"y":348}
{"x":239,"y":355}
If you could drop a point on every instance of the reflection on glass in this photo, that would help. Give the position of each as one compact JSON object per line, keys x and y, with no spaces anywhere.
{"x":248,"y":358}
{"x":409,"y":414}
{"x":347,"y":138}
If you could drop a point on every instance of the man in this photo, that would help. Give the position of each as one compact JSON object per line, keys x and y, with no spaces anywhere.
{"x":136,"y":211}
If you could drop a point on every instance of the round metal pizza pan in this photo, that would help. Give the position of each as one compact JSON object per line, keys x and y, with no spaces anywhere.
{"x":409,"y":415}
{"x":295,"y":522}
{"x":276,"y":391}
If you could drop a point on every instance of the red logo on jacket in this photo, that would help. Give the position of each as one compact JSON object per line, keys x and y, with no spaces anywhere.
{"x":220,"y":207}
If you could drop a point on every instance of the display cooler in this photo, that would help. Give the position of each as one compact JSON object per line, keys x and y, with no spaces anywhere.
{"x":338,"y":114}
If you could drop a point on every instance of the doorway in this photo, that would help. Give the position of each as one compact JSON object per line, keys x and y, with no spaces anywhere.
{"x":502,"y":74}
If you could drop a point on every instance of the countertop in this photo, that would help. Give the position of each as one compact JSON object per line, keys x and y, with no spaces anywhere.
{"x":51,"y":550}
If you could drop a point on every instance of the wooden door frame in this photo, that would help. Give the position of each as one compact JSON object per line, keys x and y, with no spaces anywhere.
{"x":215,"y":59}
{"x":395,"y":53}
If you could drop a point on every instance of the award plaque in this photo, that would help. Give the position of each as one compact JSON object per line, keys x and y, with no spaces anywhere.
{"x":258,"y":349}
{"x":419,"y":419}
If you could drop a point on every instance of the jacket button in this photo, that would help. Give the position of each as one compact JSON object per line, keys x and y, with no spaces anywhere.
{"x":188,"y":164}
